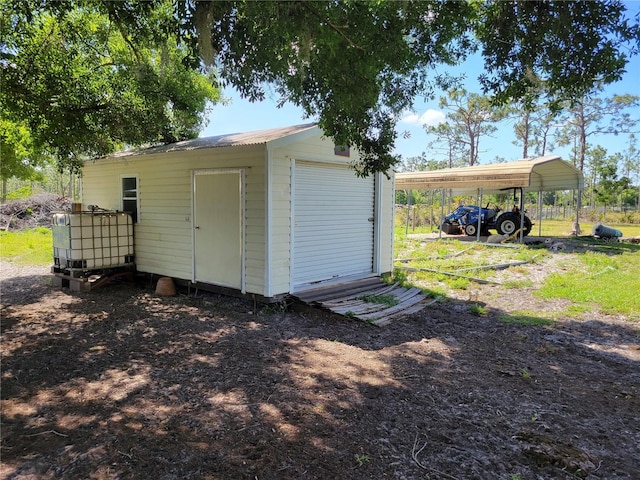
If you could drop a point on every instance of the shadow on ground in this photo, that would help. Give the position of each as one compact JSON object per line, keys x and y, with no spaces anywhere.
{"x":119,"y":383}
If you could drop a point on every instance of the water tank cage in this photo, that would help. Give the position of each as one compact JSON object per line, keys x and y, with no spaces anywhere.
{"x":85,"y":241}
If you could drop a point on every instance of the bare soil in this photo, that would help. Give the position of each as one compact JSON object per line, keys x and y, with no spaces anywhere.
{"x":120,"y":383}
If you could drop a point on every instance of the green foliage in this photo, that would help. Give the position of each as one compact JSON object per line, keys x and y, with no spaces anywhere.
{"x":606,"y":183}
{"x":77,"y":83}
{"x":524,"y":41}
{"x":388,"y":300}
{"x":16,"y":150}
{"x":31,"y":247}
{"x":356,"y":66}
{"x":590,"y":116}
{"x":87,"y":76}
{"x":22,"y":192}
{"x":398,"y":276}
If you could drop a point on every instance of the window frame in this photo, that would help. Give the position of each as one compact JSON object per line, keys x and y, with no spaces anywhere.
{"x":342,"y":150}
{"x":135,"y":215}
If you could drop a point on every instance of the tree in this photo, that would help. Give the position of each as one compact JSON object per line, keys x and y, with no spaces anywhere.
{"x":17,"y":159}
{"x":591,"y":116}
{"x":533,"y":123}
{"x":631,"y":168}
{"x":469,"y":118}
{"x":567,"y":46}
{"x":16,"y":148}
{"x":421,"y":163}
{"x":354,"y":65}
{"x":76,"y":85}
{"x":447,"y":140}
{"x":606,"y":183}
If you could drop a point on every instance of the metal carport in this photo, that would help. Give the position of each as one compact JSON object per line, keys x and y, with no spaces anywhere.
{"x":540,"y":174}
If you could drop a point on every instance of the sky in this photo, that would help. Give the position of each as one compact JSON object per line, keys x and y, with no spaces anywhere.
{"x":240,"y":115}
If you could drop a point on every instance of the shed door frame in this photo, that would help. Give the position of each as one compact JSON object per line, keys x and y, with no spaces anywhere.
{"x":242,"y":194}
{"x":295,"y":284}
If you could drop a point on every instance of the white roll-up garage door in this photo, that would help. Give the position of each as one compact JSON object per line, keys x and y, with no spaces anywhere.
{"x":333,"y":228}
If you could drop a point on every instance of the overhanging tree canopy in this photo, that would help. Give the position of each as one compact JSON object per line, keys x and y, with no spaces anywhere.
{"x":76,"y":84}
{"x":357,"y":65}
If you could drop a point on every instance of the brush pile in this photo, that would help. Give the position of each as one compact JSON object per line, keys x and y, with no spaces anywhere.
{"x":31,"y":212}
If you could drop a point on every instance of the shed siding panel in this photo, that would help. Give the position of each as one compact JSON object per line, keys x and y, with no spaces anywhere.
{"x":280,"y":222}
{"x":163,"y":235}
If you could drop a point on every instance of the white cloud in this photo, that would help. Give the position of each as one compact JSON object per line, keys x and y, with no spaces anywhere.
{"x":430,"y":117}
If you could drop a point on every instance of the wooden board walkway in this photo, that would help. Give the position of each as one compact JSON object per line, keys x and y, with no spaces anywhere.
{"x":350,"y":299}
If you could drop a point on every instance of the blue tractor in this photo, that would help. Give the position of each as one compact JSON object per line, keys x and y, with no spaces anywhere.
{"x":467,"y":218}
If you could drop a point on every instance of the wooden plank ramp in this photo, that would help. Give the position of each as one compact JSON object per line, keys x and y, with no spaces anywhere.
{"x":350,"y":300}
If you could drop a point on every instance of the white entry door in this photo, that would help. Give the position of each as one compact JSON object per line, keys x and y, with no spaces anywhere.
{"x":333,"y":224}
{"x":217,"y":227}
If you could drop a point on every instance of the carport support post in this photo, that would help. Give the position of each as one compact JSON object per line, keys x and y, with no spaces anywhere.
{"x":480,"y":214}
{"x":520,"y":235}
{"x":578,"y":205}
{"x":441,"y":213}
{"x":406,"y":228}
{"x":540,"y":213}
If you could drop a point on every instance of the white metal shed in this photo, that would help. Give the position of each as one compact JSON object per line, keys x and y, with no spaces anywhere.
{"x":269,"y":212}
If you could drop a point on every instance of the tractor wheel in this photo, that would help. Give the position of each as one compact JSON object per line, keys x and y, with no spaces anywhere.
{"x":510,"y":222}
{"x":471,"y":229}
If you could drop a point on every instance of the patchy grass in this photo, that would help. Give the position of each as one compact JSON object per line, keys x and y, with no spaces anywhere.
{"x":517,"y":283}
{"x":559,"y":228}
{"x":600,"y":276}
{"x":455,"y":263}
{"x":609,"y":281}
{"x":528,"y":319}
{"x":478,"y":310}
{"x":30,"y":247}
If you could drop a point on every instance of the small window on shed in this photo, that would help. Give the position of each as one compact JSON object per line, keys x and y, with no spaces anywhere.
{"x":341,"y":150}
{"x":130,"y":197}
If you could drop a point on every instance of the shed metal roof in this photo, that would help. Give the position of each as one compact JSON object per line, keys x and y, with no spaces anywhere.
{"x":228,"y":140}
{"x":540,"y":174}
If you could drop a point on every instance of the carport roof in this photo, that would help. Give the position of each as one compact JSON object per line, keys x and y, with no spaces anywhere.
{"x":540,"y":174}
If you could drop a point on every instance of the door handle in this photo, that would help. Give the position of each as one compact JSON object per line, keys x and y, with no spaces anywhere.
{"x":197,"y":227}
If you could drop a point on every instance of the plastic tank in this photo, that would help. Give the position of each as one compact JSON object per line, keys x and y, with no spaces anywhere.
{"x":603,"y":231}
{"x":92,"y":240}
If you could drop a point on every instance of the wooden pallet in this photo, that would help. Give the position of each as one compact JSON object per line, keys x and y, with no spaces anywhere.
{"x":347,"y":299}
{"x":86,"y":284}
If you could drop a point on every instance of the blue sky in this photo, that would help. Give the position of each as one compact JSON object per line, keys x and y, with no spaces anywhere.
{"x":240,"y":115}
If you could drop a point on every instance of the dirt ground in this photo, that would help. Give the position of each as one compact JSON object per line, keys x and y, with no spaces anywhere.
{"x":123,"y":384}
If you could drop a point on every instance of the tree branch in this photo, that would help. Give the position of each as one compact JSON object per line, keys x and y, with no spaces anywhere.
{"x":335,"y":28}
